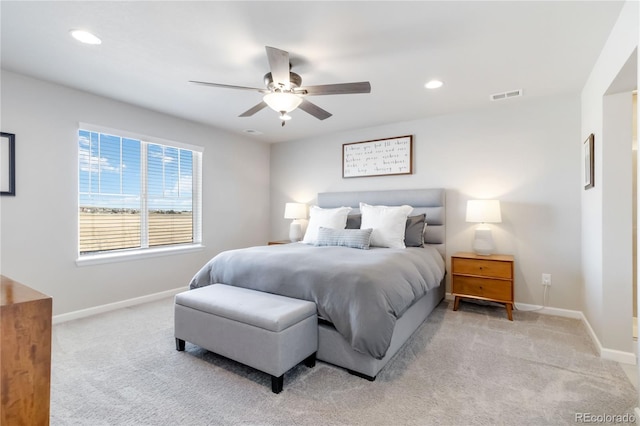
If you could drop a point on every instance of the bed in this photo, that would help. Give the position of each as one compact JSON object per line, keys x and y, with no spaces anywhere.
{"x":370,"y":301}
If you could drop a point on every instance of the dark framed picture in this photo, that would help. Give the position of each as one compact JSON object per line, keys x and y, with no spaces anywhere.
{"x":380,"y":157}
{"x":587,"y":149}
{"x":7,"y":164}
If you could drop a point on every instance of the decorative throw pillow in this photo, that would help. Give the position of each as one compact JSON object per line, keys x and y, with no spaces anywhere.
{"x":329,"y":218}
{"x":414,"y":231}
{"x":388,"y":224}
{"x":353,"y":221}
{"x":354,"y":238}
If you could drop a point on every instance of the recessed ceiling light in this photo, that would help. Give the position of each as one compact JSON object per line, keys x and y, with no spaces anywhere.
{"x":252,"y":131}
{"x":433,"y":84}
{"x":85,"y":37}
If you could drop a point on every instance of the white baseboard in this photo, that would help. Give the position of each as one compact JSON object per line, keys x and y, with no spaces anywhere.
{"x":565,"y":313}
{"x":605,"y":353}
{"x":83,"y":313}
{"x":612,"y":354}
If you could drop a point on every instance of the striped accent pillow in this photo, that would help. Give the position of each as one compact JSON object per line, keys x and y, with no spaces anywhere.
{"x":354,"y":238}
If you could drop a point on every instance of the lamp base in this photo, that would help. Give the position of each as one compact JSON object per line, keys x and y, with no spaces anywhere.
{"x":295,"y":231}
{"x":483,"y":241}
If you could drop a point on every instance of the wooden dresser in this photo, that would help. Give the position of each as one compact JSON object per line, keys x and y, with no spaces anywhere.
{"x":25,"y":354}
{"x":483,"y":277}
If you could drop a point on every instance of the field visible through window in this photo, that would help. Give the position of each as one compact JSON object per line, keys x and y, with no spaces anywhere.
{"x":111,"y":231}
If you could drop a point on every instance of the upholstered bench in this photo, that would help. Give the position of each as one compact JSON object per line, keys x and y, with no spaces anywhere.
{"x":268,"y":332}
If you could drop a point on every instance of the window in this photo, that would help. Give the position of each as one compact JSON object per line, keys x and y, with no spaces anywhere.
{"x":136,"y":194}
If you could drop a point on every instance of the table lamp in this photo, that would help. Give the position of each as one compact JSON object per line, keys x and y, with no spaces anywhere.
{"x":483,"y":212}
{"x":295,"y":211}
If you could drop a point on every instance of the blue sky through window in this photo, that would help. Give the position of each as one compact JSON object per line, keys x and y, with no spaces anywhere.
{"x":110,"y":174}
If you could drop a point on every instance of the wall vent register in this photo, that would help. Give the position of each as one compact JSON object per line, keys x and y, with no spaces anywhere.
{"x":506,"y":95}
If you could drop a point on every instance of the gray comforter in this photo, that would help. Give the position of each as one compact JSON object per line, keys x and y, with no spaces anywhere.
{"x":361,"y":292}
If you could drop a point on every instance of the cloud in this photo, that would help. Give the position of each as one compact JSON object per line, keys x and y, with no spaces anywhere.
{"x":177,"y":198}
{"x":182,"y":187}
{"x":161,"y":155}
{"x":93,"y":163}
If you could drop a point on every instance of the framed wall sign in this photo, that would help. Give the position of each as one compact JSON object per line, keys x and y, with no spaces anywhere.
{"x":587,"y":148}
{"x":7,"y":164}
{"x":380,"y":157}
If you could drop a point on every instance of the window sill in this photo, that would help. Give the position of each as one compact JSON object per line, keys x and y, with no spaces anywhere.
{"x":123,"y":256}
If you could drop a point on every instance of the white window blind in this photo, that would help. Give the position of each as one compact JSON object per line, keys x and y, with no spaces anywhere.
{"x":135,"y":194}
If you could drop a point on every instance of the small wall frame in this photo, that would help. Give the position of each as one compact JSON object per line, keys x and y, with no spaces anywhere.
{"x":379,"y":157}
{"x":7,"y":164}
{"x":588,"y":153}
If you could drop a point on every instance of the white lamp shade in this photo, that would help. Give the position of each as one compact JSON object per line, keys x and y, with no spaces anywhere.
{"x":282,"y":101}
{"x":483,"y":211}
{"x":295,"y":211}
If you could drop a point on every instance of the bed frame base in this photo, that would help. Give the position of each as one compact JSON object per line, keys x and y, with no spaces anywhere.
{"x":362,"y":376}
{"x":334,"y":349}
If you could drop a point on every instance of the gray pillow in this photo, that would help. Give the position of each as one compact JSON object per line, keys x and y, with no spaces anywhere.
{"x":414,"y":231}
{"x":354,"y":238}
{"x":354,"y":221}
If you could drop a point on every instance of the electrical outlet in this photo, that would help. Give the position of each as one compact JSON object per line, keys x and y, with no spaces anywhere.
{"x":546,"y":279}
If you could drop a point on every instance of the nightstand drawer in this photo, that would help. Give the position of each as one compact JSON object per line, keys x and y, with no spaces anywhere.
{"x":484,"y":268}
{"x":482,"y":287}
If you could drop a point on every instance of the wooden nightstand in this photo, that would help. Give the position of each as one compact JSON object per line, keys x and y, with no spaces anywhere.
{"x":273,"y":243}
{"x":483,"y":277}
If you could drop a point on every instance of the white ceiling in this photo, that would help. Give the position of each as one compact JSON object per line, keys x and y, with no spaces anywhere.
{"x":150,"y":50}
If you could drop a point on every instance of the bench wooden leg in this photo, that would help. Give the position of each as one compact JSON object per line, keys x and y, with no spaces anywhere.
{"x":179,"y":345}
{"x":277,"y":384}
{"x":310,"y":361}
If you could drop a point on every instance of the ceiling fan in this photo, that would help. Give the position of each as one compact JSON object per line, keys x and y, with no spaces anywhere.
{"x":284,"y":93}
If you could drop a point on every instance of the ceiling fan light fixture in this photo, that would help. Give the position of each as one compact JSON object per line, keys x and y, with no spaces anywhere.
{"x":282,"y":101}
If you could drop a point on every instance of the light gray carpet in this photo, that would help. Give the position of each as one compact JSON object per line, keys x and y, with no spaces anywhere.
{"x":470,"y":367}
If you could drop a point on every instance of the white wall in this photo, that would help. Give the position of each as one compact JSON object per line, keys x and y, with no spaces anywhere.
{"x":524,"y":152}
{"x":617,"y":268}
{"x":606,"y":209}
{"x":39,"y":225}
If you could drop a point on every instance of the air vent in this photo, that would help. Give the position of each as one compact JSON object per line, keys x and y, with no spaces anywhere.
{"x":506,"y":95}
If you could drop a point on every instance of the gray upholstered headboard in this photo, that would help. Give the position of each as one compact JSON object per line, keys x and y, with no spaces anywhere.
{"x":429,"y":201}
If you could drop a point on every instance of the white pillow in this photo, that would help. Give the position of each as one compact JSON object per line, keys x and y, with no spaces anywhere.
{"x":388,"y":224}
{"x":328,"y":218}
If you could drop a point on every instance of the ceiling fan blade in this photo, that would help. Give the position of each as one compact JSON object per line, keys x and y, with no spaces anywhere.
{"x":279,"y":64}
{"x":253,"y":110}
{"x":314,"y":110}
{"x":228,"y":86}
{"x":337,"y":89}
